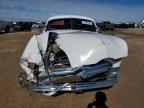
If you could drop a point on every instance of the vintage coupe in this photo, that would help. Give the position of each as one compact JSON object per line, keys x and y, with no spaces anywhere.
{"x":70,"y":55}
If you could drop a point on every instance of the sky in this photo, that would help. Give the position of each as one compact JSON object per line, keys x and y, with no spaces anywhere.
{"x":100,"y":10}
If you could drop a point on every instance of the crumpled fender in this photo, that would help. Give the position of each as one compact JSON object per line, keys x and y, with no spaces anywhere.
{"x":31,"y":54}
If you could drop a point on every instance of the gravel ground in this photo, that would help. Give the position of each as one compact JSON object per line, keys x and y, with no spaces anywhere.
{"x":127,"y":93}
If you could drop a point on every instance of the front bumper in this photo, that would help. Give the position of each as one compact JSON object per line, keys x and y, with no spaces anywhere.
{"x":98,"y":82}
{"x":72,"y":87}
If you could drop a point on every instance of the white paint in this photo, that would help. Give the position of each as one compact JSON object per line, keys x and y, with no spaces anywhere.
{"x":84,"y":58}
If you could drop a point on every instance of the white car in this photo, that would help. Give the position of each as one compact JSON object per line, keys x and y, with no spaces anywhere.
{"x":69,"y":55}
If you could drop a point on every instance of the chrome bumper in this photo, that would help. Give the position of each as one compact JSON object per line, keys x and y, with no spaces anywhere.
{"x":83,"y":85}
{"x":75,"y":87}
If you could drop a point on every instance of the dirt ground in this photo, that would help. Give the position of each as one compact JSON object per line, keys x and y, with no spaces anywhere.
{"x":127,"y":93}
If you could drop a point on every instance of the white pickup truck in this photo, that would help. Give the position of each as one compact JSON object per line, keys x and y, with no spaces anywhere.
{"x":69,"y":55}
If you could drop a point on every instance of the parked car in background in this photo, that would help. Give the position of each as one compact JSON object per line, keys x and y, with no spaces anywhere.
{"x":121,"y":25}
{"x":125,"y":25}
{"x":5,"y":26}
{"x":106,"y":26}
{"x":22,"y":26}
{"x":69,"y":55}
{"x":132,"y":25}
{"x":36,"y":25}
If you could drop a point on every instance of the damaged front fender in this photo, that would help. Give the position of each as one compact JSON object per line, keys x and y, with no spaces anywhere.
{"x":31,"y":54}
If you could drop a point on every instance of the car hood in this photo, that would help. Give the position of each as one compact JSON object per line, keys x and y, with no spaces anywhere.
{"x":84,"y":48}
{"x":81,"y":48}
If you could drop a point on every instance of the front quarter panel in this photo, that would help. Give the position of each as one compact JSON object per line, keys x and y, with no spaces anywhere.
{"x":31,"y":54}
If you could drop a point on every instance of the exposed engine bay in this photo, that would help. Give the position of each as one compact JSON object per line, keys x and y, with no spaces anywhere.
{"x":58,"y":59}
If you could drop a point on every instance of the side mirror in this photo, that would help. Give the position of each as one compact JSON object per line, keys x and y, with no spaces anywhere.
{"x":37,"y":29}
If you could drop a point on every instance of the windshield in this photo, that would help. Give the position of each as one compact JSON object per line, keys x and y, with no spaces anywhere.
{"x":71,"y":23}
